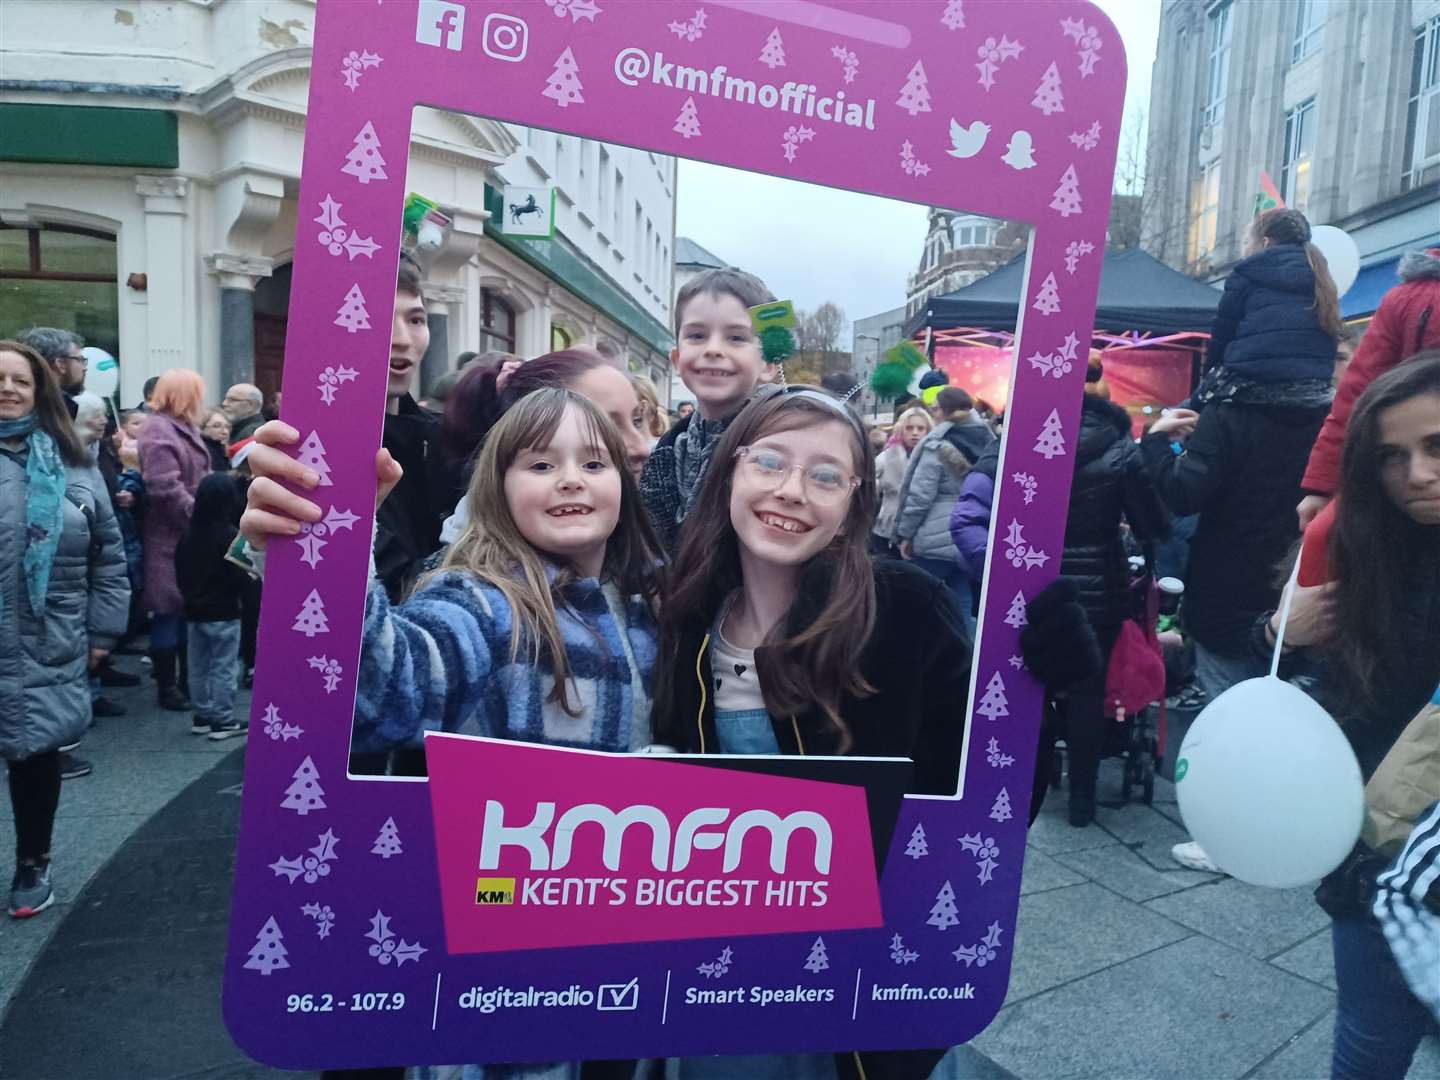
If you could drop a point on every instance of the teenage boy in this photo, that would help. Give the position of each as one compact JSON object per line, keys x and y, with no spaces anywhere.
{"x":717,"y":353}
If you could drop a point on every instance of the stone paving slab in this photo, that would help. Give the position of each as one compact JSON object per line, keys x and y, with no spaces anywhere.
{"x":1043,"y":873}
{"x":1312,"y":959}
{"x":1192,"y":1009}
{"x":1121,"y":870}
{"x":1307,"y":1056}
{"x":1262,"y":922}
{"x":1069,"y":933}
{"x":1143,"y":829}
{"x":1052,"y":835}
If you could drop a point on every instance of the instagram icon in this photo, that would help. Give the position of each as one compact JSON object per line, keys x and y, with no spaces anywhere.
{"x":506,"y":37}
{"x":441,"y":24}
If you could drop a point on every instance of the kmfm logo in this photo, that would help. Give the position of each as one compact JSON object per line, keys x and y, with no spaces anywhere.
{"x":495,"y":890}
{"x":440,"y":23}
{"x":697,"y":831}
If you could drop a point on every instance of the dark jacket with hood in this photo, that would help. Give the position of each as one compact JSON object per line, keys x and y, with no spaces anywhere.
{"x":1406,"y":323}
{"x":1110,"y":485}
{"x":1267,"y":326}
{"x":1241,"y":473}
{"x":407,"y":524}
{"x":665,"y":495}
{"x":210,"y":585}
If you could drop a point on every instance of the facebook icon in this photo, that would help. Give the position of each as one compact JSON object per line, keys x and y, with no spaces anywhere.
{"x":440,"y":23}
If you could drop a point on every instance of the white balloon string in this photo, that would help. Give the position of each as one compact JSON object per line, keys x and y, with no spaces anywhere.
{"x":1284,"y":618}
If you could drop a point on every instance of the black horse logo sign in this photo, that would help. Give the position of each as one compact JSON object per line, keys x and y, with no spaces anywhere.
{"x":529,"y":206}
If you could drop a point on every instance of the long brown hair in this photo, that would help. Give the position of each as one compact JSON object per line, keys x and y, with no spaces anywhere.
{"x":1292,"y":227}
{"x":812,"y":656}
{"x":1373,"y":541}
{"x":492,"y":547}
{"x":50,"y":412}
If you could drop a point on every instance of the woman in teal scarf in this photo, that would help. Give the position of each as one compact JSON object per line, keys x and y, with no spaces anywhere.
{"x":64,"y":598}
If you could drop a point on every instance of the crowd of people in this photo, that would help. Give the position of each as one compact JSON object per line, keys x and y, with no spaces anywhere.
{"x":757,"y":573}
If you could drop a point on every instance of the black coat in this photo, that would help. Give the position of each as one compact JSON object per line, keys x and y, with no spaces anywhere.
{"x":1110,"y":485}
{"x":918,"y":659}
{"x":408,"y":522}
{"x":1267,"y":326}
{"x":210,"y":586}
{"x":1241,"y":473}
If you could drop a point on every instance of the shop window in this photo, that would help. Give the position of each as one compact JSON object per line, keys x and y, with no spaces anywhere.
{"x":560,"y":338}
{"x":497,"y":323}
{"x":1309,"y":22}
{"x":57,"y":276}
{"x":1205,"y":216}
{"x":1219,"y":68}
{"x":1299,"y":148}
{"x":1422,"y":121}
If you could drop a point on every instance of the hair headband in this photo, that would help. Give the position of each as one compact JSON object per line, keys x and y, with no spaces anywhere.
{"x":834,"y":404}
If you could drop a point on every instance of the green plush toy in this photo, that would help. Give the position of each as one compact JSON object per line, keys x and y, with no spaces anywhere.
{"x":891,"y":380}
{"x":773,"y":323}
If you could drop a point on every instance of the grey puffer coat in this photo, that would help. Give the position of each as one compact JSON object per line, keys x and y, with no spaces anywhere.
{"x":44,"y":657}
{"x":932,"y":483}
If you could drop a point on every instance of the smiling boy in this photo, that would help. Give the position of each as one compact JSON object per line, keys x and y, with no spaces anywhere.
{"x":718,"y":356}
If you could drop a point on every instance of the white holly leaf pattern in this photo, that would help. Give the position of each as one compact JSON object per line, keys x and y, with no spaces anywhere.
{"x":288,"y":868}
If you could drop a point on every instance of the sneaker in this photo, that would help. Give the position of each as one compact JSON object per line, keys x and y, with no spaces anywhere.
{"x":199,"y":725}
{"x":228,"y":729}
{"x":30,"y":891}
{"x":1192,"y":856}
{"x":103,"y":706}
{"x":73,"y":768}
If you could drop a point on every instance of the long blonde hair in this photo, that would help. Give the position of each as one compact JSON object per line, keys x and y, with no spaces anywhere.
{"x":492,"y":547}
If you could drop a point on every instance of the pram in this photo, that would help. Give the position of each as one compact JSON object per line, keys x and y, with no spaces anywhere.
{"x":1134,"y":694}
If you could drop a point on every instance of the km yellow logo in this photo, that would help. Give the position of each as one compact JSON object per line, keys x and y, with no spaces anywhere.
{"x":495,"y":890}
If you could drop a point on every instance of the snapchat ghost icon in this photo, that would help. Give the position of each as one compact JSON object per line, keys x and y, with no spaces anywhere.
{"x":1018,"y":154}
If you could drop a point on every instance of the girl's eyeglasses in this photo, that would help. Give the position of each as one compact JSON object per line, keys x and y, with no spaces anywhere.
{"x":769,"y":469}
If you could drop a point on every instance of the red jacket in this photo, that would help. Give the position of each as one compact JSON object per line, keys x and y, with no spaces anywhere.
{"x":1400,"y":329}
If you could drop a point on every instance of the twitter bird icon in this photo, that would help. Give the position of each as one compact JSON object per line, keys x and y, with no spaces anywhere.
{"x":967,"y":141}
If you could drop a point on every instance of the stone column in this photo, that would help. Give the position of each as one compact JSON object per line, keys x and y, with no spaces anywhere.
{"x":238,"y":275}
{"x":437,"y":359}
{"x":167,"y":313}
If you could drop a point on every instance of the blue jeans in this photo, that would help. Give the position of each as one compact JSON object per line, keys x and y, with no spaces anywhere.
{"x":949,"y":574}
{"x":1378,"y":1021}
{"x":214,"y":669}
{"x":1216,"y":673}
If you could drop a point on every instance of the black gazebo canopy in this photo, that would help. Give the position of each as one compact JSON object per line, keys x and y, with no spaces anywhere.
{"x":1137,"y":293}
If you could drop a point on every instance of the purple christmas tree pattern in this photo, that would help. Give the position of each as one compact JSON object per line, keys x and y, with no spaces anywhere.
{"x":305,"y":793}
{"x":1050,"y":443}
{"x":773,"y":54}
{"x":1001,"y":811}
{"x":1016,"y":616}
{"x":818,"y":960}
{"x":1047,"y":300}
{"x":312,"y":455}
{"x":1048,"y":97}
{"x":352,"y":314}
{"x":994,"y":704}
{"x":915,"y":94}
{"x":364,"y":161}
{"x":944,"y":915}
{"x":1067,"y":196}
{"x":688,"y":122}
{"x":564,"y":84}
{"x":917,"y":848}
{"x":387,"y":843}
{"x":312,"y":620}
{"x":954,"y":17}
{"x":268,"y":953}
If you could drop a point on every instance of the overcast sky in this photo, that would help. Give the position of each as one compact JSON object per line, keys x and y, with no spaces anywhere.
{"x":813,"y":244}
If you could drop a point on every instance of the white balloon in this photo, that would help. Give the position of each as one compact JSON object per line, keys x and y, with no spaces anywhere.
{"x":1268,"y":785}
{"x":102,"y":375}
{"x":1341,"y":252}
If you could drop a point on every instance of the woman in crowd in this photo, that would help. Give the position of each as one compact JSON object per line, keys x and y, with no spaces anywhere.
{"x":1261,"y":405}
{"x":63,"y":603}
{"x":1373,"y":629}
{"x":932,"y":484}
{"x":216,"y":432}
{"x":657,"y":421}
{"x":1110,"y":489}
{"x":910,"y":428}
{"x":173,"y":459}
{"x":484,"y":394}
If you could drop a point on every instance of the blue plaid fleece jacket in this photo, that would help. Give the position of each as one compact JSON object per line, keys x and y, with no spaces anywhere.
{"x":441,"y":662}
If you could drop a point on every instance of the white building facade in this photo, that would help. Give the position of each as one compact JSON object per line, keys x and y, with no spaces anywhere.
{"x":149,"y":169}
{"x":1338,"y":101}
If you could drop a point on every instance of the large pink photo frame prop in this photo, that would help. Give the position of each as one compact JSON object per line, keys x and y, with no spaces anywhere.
{"x":340,"y":955}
